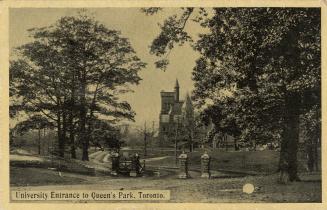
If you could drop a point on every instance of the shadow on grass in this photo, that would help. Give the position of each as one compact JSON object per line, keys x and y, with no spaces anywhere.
{"x":39,"y":177}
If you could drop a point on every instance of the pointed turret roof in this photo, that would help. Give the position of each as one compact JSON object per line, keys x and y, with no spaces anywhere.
{"x":176,"y":84}
{"x":187,"y":102}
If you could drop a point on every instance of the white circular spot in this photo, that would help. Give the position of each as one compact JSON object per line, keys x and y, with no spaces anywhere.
{"x":248,"y":188}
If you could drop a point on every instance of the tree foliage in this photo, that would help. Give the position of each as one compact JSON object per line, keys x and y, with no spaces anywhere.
{"x":72,"y":73}
{"x":258,"y":71}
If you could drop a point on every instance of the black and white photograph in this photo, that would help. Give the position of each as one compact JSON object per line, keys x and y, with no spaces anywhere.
{"x":165,"y":105}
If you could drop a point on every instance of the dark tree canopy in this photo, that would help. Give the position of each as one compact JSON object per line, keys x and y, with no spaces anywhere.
{"x":258,"y":70}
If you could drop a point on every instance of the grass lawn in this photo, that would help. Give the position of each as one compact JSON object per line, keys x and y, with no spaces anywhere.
{"x":256,"y":162}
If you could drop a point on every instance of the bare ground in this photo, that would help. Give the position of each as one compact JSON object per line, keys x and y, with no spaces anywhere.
{"x":194,"y":189}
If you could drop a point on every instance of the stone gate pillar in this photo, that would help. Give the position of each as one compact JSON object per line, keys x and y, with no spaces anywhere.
{"x":183,"y":166}
{"x":114,"y":163}
{"x":134,"y":165}
{"x":205,"y":165}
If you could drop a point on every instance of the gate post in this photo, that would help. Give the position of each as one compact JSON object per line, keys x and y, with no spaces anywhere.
{"x":205,"y":165}
{"x":183,"y":166}
{"x":134,"y":166}
{"x":114,"y":163}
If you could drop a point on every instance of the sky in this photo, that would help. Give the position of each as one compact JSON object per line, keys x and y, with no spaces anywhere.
{"x":141,"y":30}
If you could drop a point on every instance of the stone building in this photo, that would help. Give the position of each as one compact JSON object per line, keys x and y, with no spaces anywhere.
{"x":174,"y":113}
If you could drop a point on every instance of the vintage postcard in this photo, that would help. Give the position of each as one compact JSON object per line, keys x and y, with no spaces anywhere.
{"x":162,"y":104}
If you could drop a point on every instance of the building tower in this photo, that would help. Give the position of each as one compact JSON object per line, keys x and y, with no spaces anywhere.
{"x":170,"y":114}
{"x":176,"y":91}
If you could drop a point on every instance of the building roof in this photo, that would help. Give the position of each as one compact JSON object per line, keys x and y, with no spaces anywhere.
{"x":170,"y":94}
{"x":176,"y":84}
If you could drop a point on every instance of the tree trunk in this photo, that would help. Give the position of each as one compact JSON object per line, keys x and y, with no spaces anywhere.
{"x":72,"y":133}
{"x":254,"y":148}
{"x":190,"y":143}
{"x":85,"y":154}
{"x":236,"y":145}
{"x":313,"y":163}
{"x":145,"y":144}
{"x":44,"y":141}
{"x":71,"y":119}
{"x":72,"y":148}
{"x":83,"y":138}
{"x":290,"y":139}
{"x":310,"y":155}
{"x":60,"y":136}
{"x":72,"y":142}
{"x":39,"y":142}
{"x":63,"y":133}
{"x":316,"y":163}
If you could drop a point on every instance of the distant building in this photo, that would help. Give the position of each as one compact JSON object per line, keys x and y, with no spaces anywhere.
{"x":173,"y":113}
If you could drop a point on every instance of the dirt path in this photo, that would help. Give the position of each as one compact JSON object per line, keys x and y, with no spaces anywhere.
{"x":25,"y":158}
{"x":156,"y":158}
{"x":103,"y":157}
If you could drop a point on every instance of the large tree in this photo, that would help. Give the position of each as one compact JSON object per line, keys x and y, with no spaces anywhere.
{"x":260,"y":65}
{"x":72,"y":73}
